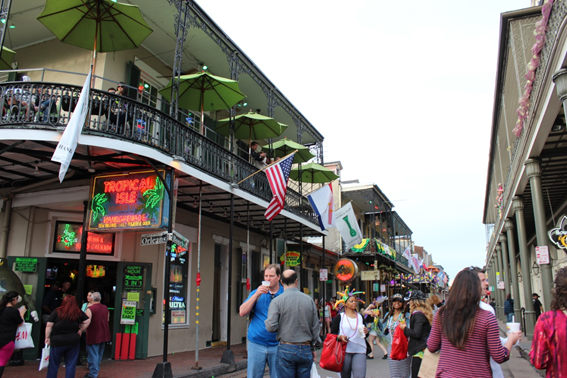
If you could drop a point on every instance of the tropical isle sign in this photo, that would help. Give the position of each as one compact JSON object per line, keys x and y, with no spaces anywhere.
{"x":128,"y":201}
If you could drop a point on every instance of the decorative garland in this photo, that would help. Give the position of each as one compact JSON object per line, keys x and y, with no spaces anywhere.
{"x":499,"y":202}
{"x":539,"y":33}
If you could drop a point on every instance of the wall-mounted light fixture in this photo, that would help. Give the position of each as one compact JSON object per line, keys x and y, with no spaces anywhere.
{"x":535,"y":269}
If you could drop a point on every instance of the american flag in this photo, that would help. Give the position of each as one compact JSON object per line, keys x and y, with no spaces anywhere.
{"x":278,"y":174}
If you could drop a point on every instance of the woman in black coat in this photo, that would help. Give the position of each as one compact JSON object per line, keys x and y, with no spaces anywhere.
{"x":419,"y":329}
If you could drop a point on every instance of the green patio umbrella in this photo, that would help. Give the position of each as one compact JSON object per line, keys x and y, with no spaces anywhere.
{"x":203,"y":91}
{"x":98,"y":25}
{"x":285,"y":146}
{"x":7,"y":58}
{"x":313,"y":173}
{"x":251,"y":126}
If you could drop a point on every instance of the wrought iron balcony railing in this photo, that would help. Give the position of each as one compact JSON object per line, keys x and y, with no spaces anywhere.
{"x":50,"y":105}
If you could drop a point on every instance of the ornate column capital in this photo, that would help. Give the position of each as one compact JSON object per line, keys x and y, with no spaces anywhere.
{"x":497,"y":247}
{"x":508,"y":224}
{"x":533,"y":168}
{"x":502,"y":238}
{"x":518,"y":203}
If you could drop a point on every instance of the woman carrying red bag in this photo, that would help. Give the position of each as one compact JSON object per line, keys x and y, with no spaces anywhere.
{"x":397,"y":315}
{"x":349,"y":325}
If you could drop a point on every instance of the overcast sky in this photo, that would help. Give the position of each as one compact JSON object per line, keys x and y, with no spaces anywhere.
{"x":403,"y":93}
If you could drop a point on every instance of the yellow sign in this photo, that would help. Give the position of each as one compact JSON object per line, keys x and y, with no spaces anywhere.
{"x":28,"y":289}
{"x":133,"y":296}
{"x":292,"y":258}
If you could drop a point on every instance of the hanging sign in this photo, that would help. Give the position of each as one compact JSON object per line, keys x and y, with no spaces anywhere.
{"x":501,"y":285}
{"x":68,"y":236}
{"x":322,"y":274}
{"x":559,"y":235}
{"x":128,"y":201}
{"x":128,"y":314}
{"x":370,"y":275}
{"x":26,"y":264}
{"x":345,"y":270}
{"x":542,"y":255}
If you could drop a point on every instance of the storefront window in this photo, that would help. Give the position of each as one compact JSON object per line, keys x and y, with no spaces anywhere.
{"x":68,"y":236}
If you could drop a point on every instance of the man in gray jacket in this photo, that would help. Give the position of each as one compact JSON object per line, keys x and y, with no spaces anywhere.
{"x":294,"y":317}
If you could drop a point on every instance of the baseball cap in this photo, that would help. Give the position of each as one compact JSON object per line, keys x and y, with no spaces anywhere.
{"x":397,"y":297}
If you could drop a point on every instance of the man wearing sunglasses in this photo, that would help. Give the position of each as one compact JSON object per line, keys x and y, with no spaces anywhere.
{"x":262,"y":345}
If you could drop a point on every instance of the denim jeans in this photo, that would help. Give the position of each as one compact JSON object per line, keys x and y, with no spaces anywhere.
{"x":94,"y":358}
{"x":509,"y":317}
{"x":294,"y":361}
{"x":258,"y":355}
{"x":70,"y":352}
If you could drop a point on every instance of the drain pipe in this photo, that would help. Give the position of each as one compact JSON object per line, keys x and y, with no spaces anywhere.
{"x":8,"y":210}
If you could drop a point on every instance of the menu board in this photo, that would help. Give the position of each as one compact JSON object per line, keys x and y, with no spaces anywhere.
{"x":133,"y":277}
{"x":26,"y":264}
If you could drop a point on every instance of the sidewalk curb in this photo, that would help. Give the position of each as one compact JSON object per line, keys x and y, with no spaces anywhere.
{"x":214,"y":371}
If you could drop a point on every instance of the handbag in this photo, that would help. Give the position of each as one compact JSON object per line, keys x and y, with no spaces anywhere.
{"x":45,"y":352}
{"x":399,"y":345}
{"x":333,"y":354}
{"x":314,"y":373}
{"x":23,"y":338}
{"x":429,"y":364}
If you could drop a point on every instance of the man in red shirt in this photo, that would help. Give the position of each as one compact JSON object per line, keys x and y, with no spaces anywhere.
{"x":98,"y":334}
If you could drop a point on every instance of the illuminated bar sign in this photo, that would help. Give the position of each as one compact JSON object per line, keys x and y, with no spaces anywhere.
{"x":68,"y":239}
{"x":129,"y":201}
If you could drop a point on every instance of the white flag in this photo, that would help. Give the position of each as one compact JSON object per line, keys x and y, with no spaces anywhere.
{"x":322,"y":203}
{"x":68,"y":143}
{"x":345,"y":220}
{"x":407,"y":254}
{"x":414,"y":263}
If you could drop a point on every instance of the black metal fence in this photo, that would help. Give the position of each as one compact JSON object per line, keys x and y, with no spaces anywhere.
{"x":42,"y":105}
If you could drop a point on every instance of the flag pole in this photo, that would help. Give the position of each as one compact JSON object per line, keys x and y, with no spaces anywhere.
{"x":266,"y":167}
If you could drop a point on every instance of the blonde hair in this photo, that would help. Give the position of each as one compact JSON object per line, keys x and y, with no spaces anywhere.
{"x":424,"y":307}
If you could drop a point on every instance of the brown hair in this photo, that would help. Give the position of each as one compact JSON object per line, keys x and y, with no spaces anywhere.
{"x":559,"y":301}
{"x":276,"y":267}
{"x":435,"y":299}
{"x":458,"y":315}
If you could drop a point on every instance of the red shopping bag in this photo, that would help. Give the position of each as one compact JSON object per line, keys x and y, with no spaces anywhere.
{"x":399,"y":345}
{"x":333,"y":354}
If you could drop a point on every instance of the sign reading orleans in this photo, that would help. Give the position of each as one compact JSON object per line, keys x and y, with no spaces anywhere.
{"x":129,"y":201}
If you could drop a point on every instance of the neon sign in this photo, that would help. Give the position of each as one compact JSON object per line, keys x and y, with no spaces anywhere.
{"x":68,"y":239}
{"x":129,"y":201}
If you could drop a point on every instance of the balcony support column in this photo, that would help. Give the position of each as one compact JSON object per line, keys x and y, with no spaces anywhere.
{"x":518,"y":206}
{"x":533,"y":170}
{"x":499,"y":292}
{"x":509,"y":226}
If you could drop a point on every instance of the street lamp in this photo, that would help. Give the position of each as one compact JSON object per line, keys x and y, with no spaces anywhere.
{"x":535,"y":269}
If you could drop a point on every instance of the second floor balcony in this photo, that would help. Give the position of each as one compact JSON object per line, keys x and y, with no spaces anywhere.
{"x":136,"y":130}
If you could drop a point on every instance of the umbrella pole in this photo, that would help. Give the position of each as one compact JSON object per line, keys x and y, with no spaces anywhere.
{"x":94,"y":58}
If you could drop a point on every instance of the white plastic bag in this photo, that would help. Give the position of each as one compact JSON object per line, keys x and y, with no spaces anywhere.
{"x":314,"y":372}
{"x":44,"y":363}
{"x":24,"y":337}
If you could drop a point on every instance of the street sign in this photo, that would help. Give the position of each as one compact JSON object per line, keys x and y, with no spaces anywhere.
{"x":322,"y":274}
{"x":153,"y":239}
{"x":501,"y":285}
{"x":542,"y":255}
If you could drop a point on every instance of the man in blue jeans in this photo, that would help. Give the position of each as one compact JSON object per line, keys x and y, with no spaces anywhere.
{"x":98,"y":334}
{"x":509,"y":308}
{"x":293,"y":315}
{"x":262,"y":345}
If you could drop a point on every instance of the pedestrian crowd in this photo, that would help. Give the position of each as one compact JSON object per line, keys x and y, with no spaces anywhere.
{"x":420,"y":335}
